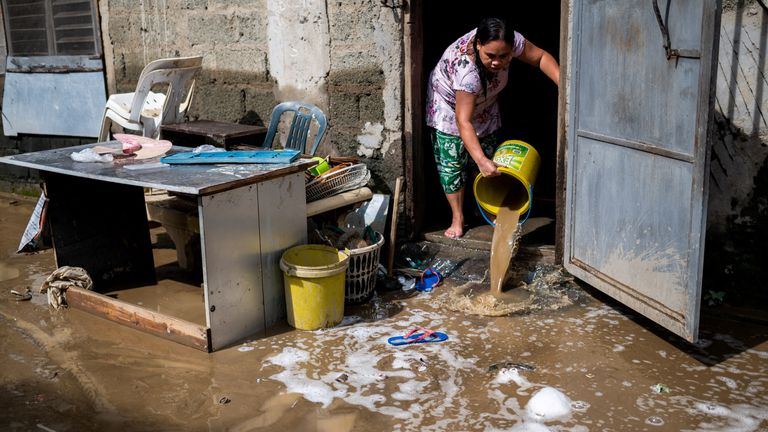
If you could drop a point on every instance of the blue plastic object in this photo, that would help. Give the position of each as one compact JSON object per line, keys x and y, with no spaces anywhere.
{"x":304,"y":113}
{"x":430,"y":278}
{"x":240,"y":157}
{"x":417,"y":338}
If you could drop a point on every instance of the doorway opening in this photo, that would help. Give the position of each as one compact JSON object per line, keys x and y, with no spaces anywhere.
{"x":528,"y":105}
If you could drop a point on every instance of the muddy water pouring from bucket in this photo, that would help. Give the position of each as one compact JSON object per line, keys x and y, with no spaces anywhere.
{"x":507,"y":196}
{"x":503,"y":247}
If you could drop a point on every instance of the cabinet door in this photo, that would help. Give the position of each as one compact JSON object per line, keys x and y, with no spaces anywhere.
{"x":637,"y":155}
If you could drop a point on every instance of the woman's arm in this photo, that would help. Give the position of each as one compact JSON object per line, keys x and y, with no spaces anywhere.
{"x":465,"y":107}
{"x":543,"y":60}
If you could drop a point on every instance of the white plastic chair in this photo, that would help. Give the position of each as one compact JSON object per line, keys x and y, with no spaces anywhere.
{"x":145,"y":110}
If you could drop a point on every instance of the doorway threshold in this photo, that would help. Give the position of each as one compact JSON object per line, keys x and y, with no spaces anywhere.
{"x":479,"y":238}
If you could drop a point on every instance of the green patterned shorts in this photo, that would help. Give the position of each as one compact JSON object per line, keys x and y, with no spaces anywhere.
{"x":451,"y":158}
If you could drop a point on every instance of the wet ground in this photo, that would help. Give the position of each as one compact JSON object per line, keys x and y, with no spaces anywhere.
{"x":583,"y":365}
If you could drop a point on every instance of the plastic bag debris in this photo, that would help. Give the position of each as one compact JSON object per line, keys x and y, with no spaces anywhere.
{"x":407,"y":283}
{"x":89,"y":155}
{"x":31,"y":239}
{"x":206,"y":148}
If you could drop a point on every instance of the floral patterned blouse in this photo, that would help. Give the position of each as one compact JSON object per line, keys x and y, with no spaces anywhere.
{"x":456,"y":70}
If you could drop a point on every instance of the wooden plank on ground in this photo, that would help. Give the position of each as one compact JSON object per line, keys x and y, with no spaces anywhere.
{"x":175,"y":329}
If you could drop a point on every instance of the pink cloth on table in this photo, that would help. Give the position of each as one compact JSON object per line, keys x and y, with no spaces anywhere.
{"x":143,"y":147}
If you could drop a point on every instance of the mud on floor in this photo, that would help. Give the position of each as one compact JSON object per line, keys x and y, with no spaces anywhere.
{"x":589,"y":366}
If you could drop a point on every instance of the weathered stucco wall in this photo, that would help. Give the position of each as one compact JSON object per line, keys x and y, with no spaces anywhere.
{"x":740,"y":147}
{"x":736,"y":250}
{"x":344,"y":56}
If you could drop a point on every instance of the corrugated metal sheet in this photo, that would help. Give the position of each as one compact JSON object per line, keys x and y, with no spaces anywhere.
{"x":70,"y":104}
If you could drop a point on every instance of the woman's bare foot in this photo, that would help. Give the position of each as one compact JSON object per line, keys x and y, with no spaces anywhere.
{"x":454,"y":231}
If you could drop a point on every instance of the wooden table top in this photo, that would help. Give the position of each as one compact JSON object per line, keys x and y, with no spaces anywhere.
{"x":214,"y":129}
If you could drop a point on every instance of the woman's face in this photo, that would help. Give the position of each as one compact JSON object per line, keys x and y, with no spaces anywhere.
{"x":495,"y":55}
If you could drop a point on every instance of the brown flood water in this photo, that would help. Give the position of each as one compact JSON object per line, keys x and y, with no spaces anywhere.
{"x":503,"y":246}
{"x":583,"y":365}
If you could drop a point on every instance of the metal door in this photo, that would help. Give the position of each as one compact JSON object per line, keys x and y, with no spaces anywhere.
{"x":637,"y":155}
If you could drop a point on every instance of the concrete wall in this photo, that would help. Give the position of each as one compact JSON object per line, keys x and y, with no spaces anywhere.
{"x":740,"y":148}
{"x":736,"y":251}
{"x":344,"y":56}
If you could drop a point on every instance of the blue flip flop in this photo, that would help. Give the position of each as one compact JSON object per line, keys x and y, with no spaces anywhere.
{"x":426,"y":336}
{"x":430,"y":278}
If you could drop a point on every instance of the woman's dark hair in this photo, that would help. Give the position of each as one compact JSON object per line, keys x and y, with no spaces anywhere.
{"x":490,"y":29}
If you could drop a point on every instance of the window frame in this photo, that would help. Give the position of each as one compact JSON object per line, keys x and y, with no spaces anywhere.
{"x":50,"y":28}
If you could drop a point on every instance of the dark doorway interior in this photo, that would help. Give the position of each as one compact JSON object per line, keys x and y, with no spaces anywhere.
{"x":528,"y":104}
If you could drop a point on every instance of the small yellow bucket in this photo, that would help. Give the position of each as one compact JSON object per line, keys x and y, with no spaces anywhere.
{"x":313,"y":277}
{"x":518,"y":163}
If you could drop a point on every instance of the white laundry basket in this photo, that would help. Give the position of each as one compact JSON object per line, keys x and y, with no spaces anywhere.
{"x":361,"y":273}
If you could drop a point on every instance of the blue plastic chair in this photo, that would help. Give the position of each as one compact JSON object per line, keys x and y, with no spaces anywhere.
{"x":303,"y":114}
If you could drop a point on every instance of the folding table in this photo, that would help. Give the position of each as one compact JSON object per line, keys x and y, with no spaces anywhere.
{"x":248,"y":215}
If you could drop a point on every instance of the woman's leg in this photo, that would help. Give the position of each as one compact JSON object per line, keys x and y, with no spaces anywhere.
{"x":456,"y":201}
{"x":451,"y":159}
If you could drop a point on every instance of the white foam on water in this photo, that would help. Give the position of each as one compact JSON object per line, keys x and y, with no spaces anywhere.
{"x":506,"y":376}
{"x":736,"y":418}
{"x":548,"y":404}
{"x":358,"y":365}
{"x":618,"y":348}
{"x":761,"y":354}
{"x":599,"y":311}
{"x":654,"y":421}
{"x":580,"y":405}
{"x":421,"y":386}
{"x":410,"y":390}
{"x":289,"y":357}
{"x":312,"y":390}
{"x":662,"y":353}
{"x":538,"y":427}
{"x":530,"y":427}
{"x":694,"y":367}
{"x":728,"y":382}
{"x":363,"y":334}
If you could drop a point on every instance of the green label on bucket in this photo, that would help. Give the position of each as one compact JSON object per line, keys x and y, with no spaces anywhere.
{"x":511,"y":155}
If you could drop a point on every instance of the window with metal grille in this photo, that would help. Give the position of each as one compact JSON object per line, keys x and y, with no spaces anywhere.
{"x":51,"y":28}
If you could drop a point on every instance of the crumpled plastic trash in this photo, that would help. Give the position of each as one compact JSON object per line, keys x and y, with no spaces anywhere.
{"x":207,"y":148}
{"x":407,"y":283}
{"x":89,"y":155}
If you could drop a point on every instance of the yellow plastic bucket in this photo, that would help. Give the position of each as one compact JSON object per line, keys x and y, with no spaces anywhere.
{"x":518,"y":163}
{"x":313,"y":277}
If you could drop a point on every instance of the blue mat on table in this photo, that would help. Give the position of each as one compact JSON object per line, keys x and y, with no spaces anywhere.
{"x":242,"y":157}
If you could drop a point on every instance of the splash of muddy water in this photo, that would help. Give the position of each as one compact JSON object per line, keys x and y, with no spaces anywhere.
{"x":537,"y":288}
